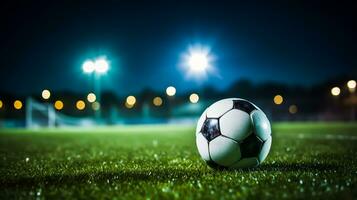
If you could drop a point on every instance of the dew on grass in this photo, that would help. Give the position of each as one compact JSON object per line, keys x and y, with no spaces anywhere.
{"x":165,"y":189}
{"x":39,"y":191}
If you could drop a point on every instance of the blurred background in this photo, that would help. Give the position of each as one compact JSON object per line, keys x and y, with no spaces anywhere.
{"x":158,"y":62}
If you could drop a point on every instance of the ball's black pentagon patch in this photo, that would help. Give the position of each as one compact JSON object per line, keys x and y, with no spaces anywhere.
{"x":244,"y":106}
{"x":214,"y":165}
{"x":251,"y":146}
{"x":210,"y":129}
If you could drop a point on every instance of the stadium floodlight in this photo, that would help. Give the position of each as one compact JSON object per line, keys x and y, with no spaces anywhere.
{"x":88,"y":66}
{"x":101,"y":65}
{"x":197,"y":61}
{"x":97,"y":67}
{"x":335,"y":91}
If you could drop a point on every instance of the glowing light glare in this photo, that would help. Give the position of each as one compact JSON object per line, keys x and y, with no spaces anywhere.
{"x":80,"y":105}
{"x":58,"y":105}
{"x":157,"y":101}
{"x":96,"y":105}
{"x":130,"y":100}
{"x":46,"y":94}
{"x":278,"y":99}
{"x":194,"y":98}
{"x":17,"y":104}
{"x":293,"y":109}
{"x":197,"y":62}
{"x":91,"y":97}
{"x":101,"y":65}
{"x":351,"y":84}
{"x":1,"y":104}
{"x":88,"y":66}
{"x":335,"y":91}
{"x":170,"y":91}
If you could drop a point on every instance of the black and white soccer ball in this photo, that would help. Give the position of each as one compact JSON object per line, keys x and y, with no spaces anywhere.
{"x":233,"y":133}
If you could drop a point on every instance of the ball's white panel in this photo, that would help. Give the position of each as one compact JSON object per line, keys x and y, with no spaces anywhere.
{"x":245,"y":163}
{"x":202,"y":146}
{"x":261,"y":124}
{"x":235,"y":124}
{"x":200,"y":122}
{"x":224,"y":151}
{"x":219,"y":108}
{"x":265,"y":149}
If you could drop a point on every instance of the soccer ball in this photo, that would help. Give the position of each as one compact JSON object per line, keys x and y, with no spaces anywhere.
{"x":233,"y":133}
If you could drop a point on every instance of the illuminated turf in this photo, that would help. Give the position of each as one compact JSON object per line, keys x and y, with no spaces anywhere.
{"x":306,"y":160}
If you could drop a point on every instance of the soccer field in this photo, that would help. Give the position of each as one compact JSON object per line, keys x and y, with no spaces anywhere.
{"x":307,"y":160}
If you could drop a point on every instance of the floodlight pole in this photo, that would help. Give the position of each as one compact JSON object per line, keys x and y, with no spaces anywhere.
{"x":97,"y":91}
{"x":352,"y":97}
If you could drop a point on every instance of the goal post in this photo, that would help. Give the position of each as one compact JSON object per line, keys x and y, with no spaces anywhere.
{"x":39,"y":114}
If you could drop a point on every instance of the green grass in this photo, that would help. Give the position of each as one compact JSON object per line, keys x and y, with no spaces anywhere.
{"x":315,"y":160}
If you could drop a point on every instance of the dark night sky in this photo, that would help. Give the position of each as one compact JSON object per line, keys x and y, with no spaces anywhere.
{"x":297,"y":42}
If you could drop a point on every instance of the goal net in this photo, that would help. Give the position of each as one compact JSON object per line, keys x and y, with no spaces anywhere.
{"x":44,"y":115}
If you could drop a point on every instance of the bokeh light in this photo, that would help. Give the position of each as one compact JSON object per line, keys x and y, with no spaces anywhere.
{"x":46,"y":94}
{"x":351,"y":84}
{"x":131,"y":100}
{"x":293,"y":109}
{"x":80,"y":105}
{"x":91,"y":97}
{"x":1,"y":104}
{"x":278,"y":99}
{"x":128,"y":105}
{"x":17,"y":104}
{"x":335,"y":91}
{"x":58,"y":105}
{"x":170,"y":91}
{"x":157,"y":101}
{"x":96,"y":105}
{"x":88,"y":66}
{"x":194,"y":98}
